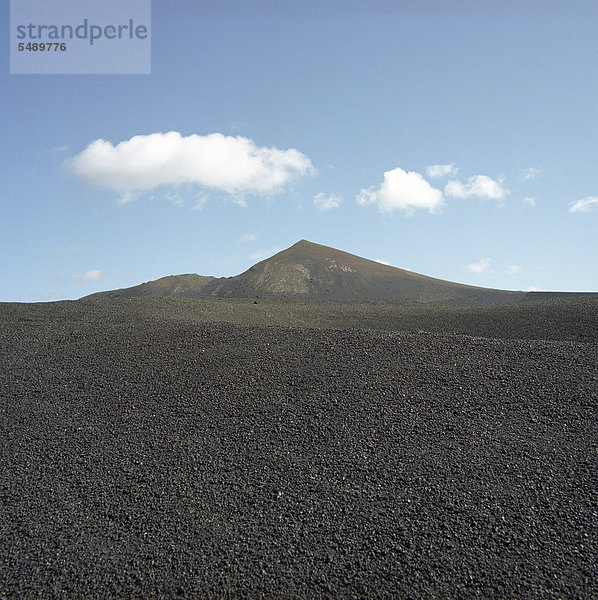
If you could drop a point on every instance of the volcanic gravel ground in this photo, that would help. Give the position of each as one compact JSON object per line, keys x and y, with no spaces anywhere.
{"x":169,"y":457}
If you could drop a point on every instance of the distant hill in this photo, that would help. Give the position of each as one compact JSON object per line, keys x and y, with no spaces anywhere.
{"x":312,"y":271}
{"x":177,"y":286}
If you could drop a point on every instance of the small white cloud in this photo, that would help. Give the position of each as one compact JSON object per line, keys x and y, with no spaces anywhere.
{"x":480,"y":266}
{"x":480,"y":186}
{"x":383,"y":262}
{"x":175,"y":198}
{"x":234,"y":165}
{"x":441,"y":170}
{"x":91,"y":275}
{"x":529,"y":201}
{"x":584,"y":205}
{"x":263,"y":254}
{"x":514,"y":269}
{"x":77,"y":248}
{"x":247,"y":237}
{"x":535,"y":289}
{"x":405,"y":190}
{"x":530,"y":173}
{"x":58,"y":149}
{"x":327,"y":201}
{"x":73,"y":249}
{"x":200,"y":202}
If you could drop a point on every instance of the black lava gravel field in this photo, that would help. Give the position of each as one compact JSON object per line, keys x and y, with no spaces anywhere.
{"x":159,"y":454}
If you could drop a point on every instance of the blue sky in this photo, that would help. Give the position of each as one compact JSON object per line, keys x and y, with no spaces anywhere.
{"x":455,"y":139}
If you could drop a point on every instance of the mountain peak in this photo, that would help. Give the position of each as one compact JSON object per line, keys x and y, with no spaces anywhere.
{"x":302,"y":244}
{"x":313,"y":271}
{"x":307,"y":270}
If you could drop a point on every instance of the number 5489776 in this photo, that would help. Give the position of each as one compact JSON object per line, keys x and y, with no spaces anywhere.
{"x":42,"y":46}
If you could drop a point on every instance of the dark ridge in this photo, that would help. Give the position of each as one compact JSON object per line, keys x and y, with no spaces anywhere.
{"x":558,"y":295}
{"x":173,"y":286}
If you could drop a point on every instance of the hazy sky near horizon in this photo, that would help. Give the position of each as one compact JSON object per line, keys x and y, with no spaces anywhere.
{"x":457,"y":139}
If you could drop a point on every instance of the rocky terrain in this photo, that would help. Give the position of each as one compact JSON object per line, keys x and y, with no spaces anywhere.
{"x":198,"y":448}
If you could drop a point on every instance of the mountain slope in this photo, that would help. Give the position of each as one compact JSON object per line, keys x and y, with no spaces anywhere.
{"x":182,"y":286}
{"x":312,"y":271}
{"x":308,"y":270}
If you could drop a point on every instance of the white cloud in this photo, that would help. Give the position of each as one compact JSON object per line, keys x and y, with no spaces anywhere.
{"x":584,"y":205}
{"x":514,"y":269}
{"x":231,"y":164}
{"x":263,"y":254}
{"x":327,"y":201}
{"x":481,"y":186}
{"x":530,"y":173}
{"x":91,"y":275}
{"x":441,"y":170}
{"x":247,"y":237}
{"x":383,"y":262}
{"x":480,"y":266}
{"x":535,"y":289}
{"x":58,"y":149}
{"x":405,"y":190}
{"x":73,"y":249}
{"x":200,"y":202}
{"x":529,"y":201}
{"x":175,"y":198}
